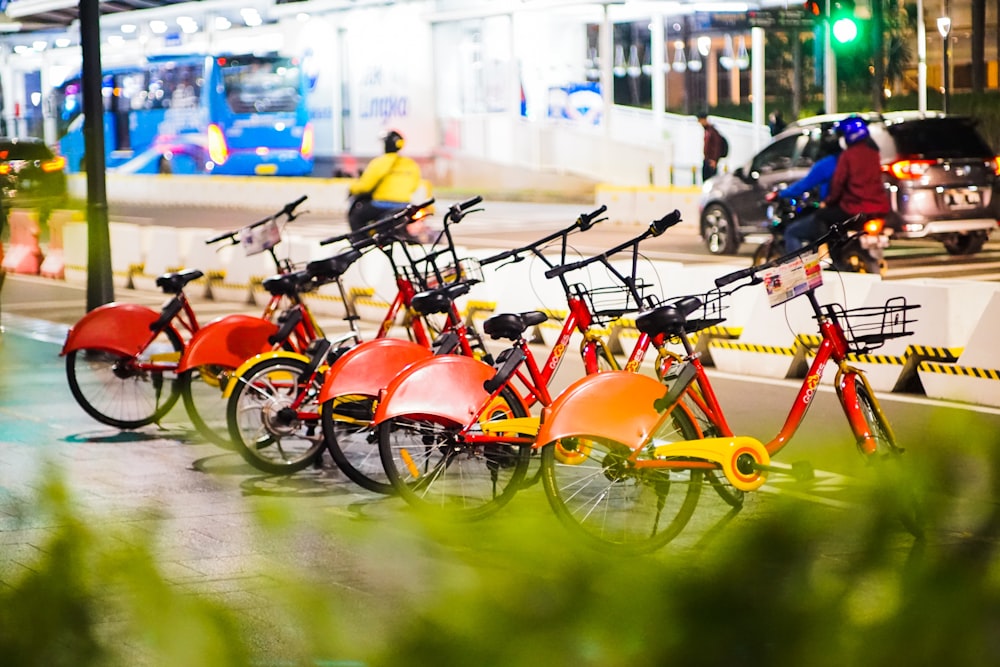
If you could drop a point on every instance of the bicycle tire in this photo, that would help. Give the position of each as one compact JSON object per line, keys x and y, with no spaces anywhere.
{"x":895,"y":486}
{"x":205,"y":405}
{"x":113,"y":391}
{"x":351,"y":441}
{"x":268,"y":438}
{"x":433,"y":472}
{"x":609,"y":504}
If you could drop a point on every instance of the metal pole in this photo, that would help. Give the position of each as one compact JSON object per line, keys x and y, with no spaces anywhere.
{"x":100,"y":288}
{"x":829,"y":65}
{"x":947,"y":73}
{"x":921,"y":59}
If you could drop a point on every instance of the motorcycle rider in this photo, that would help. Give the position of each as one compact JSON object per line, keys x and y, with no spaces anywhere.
{"x":819,"y":176}
{"x":856,"y":187}
{"x":386,"y":185}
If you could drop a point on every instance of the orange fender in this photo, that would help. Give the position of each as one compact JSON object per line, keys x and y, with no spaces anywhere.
{"x":617,"y":405}
{"x":121,"y":328}
{"x":367,"y":368}
{"x":448,"y":386}
{"x":227,"y":341}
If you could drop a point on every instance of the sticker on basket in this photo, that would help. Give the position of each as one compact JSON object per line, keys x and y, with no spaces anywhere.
{"x":789,"y":280}
{"x":258,"y":239}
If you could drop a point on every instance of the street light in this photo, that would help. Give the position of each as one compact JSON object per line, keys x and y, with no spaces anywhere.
{"x":944,"y":27}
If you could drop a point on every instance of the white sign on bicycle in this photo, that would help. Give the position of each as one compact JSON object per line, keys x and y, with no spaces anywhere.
{"x":789,"y":280}
{"x":257,"y":239}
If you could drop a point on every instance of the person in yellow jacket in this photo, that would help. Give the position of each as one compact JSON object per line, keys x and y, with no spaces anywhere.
{"x":385,"y":186}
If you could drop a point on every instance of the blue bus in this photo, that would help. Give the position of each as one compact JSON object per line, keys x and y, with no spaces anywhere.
{"x":196,"y":114}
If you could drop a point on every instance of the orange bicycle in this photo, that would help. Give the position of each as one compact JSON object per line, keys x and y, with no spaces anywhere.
{"x":624,"y":461}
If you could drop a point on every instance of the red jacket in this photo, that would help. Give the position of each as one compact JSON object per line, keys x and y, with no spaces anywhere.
{"x":857,"y":185}
{"x":713,"y":143}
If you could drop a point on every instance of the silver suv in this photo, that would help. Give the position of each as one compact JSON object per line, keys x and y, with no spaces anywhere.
{"x":941,"y":175}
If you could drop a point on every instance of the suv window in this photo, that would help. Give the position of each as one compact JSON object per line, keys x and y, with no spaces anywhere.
{"x":939,"y":137}
{"x":782,"y":154}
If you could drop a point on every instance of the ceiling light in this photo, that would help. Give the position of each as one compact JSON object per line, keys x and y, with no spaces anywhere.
{"x":157,"y":26}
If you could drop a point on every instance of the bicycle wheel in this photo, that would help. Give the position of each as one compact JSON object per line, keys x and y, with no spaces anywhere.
{"x":123,"y":391}
{"x":602,"y":498}
{"x":201,"y":389}
{"x":352,"y":443}
{"x":266,"y":431}
{"x":435,"y":471}
{"x":715,"y":478}
{"x":894,"y":485}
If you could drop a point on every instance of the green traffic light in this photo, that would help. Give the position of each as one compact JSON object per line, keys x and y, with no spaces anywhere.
{"x":845,"y":30}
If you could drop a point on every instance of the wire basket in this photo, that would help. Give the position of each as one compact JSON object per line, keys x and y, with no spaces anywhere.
{"x":868,"y":328}
{"x":609,"y":303}
{"x":469,"y":270}
{"x":709,"y":314}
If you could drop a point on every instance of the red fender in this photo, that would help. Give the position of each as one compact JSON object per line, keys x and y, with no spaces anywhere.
{"x":121,"y":328}
{"x":617,"y":405}
{"x":448,"y":386}
{"x":227,"y":341}
{"x":367,"y":368}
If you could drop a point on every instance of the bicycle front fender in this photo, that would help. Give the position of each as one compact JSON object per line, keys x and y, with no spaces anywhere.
{"x":617,"y":405}
{"x":369,"y":367}
{"x":121,"y":328}
{"x":448,"y":386}
{"x":227,"y":341}
{"x":253,"y":361}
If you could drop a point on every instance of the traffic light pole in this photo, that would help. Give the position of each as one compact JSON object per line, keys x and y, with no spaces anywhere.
{"x":829,"y":64}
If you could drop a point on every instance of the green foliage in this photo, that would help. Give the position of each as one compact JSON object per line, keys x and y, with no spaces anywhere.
{"x":791,"y":584}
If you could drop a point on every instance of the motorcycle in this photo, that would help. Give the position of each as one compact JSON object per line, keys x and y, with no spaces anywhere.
{"x":864,"y":254}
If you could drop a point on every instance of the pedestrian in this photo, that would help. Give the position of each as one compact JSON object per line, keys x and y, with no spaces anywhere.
{"x":714,"y":148}
{"x":776,"y":122}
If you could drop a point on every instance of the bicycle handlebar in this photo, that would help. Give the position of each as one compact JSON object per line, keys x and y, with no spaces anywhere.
{"x":459,"y":211}
{"x":656,"y":228}
{"x":288,"y":211}
{"x":583,"y":223}
{"x":834,"y":236}
{"x":365,"y":234}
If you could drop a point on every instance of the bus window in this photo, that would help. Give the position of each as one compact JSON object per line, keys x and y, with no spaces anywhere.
{"x":261,"y":85}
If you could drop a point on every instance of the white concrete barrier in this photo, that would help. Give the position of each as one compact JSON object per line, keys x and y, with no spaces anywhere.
{"x":75,"y":251}
{"x":975,"y":376}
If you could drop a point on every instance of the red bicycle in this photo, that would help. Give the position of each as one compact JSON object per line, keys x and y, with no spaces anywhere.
{"x":624,"y":460}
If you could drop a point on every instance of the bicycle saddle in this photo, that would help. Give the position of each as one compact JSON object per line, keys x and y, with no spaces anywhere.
{"x":174,"y":282}
{"x":287,"y":284}
{"x":332,"y":268}
{"x":668,"y":319}
{"x":512,"y":325}
{"x":438,"y":300}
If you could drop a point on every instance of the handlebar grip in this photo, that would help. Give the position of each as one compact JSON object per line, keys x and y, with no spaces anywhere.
{"x":287,"y":325}
{"x":499,"y":257}
{"x":557,"y":271}
{"x":736,"y":275}
{"x":220,"y":237}
{"x":586,"y":220}
{"x":469,"y":203}
{"x":291,"y":206}
{"x":665,"y":223}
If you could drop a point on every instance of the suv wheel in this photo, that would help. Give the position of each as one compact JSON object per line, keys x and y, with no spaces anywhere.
{"x":718,"y":231}
{"x":964,"y":243}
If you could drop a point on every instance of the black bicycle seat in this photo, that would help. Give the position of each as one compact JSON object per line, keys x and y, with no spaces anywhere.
{"x":668,"y":319}
{"x":438,"y":300}
{"x":287,"y":284}
{"x":332,"y":268}
{"x":512,"y":325}
{"x":174,"y":282}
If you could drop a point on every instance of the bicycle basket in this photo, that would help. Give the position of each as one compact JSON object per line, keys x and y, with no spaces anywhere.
{"x":868,"y":328}
{"x":709,"y":314}
{"x":469,"y":270}
{"x":609,"y":303}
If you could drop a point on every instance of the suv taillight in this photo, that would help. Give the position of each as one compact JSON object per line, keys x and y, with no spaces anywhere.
{"x":908,"y":169}
{"x":994,"y":164}
{"x":58,"y":163}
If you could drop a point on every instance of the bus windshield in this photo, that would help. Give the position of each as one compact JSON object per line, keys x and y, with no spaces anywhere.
{"x":260,"y":85}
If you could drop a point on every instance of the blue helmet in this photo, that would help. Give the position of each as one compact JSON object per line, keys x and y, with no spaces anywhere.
{"x":853,"y":129}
